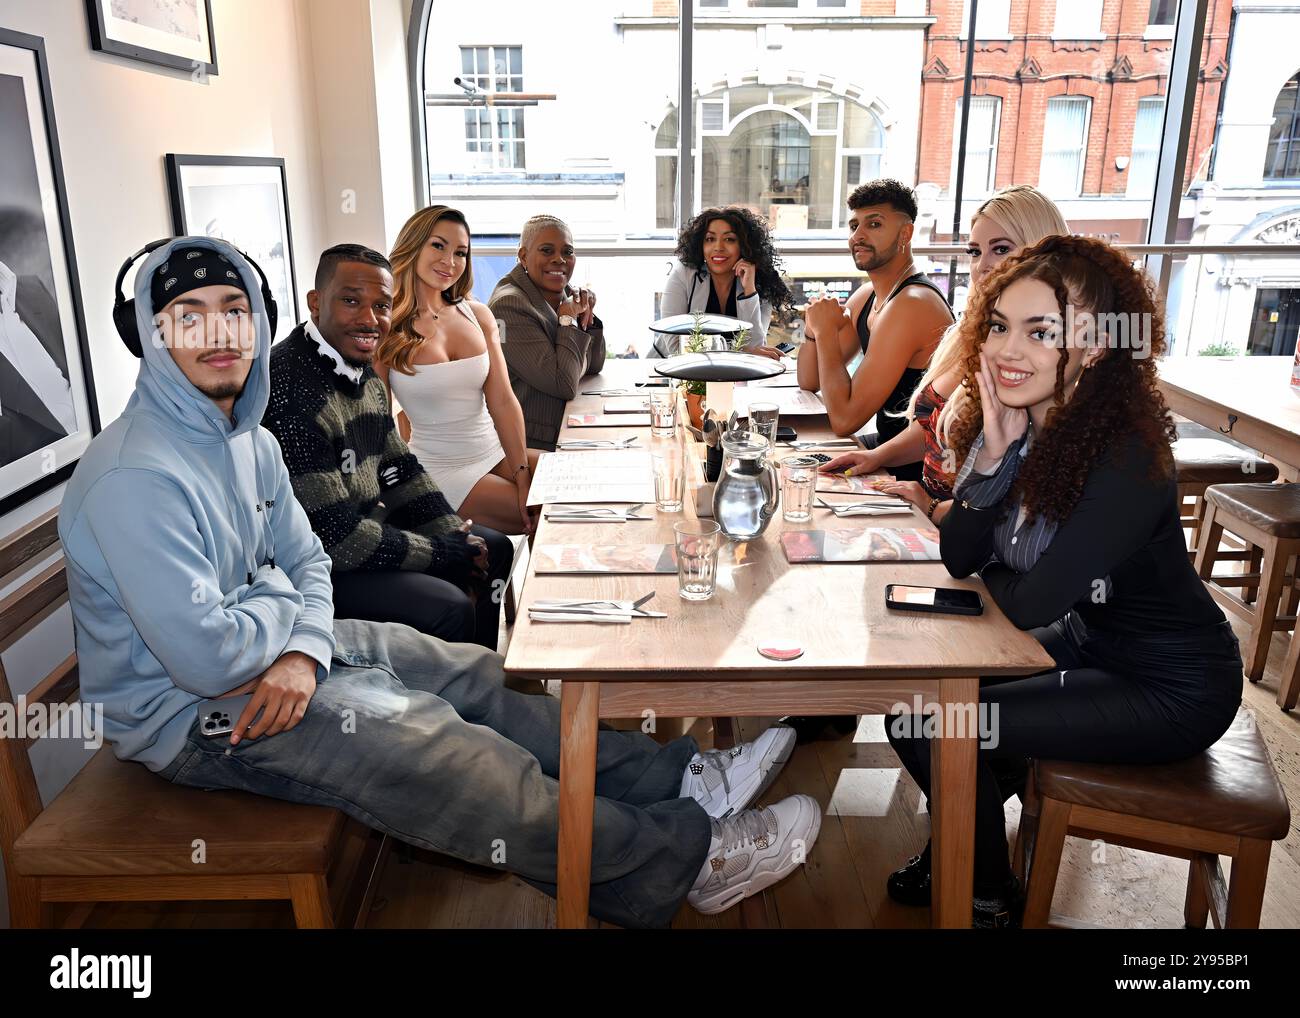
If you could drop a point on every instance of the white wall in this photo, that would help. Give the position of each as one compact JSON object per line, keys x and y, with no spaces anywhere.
{"x":116,"y":120}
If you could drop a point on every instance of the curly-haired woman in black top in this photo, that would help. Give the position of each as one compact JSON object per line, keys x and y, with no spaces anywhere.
{"x":726,"y":266}
{"x":1066,"y":505}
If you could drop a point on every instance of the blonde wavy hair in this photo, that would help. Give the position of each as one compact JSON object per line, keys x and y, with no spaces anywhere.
{"x":1027,"y":216}
{"x":397,"y":350}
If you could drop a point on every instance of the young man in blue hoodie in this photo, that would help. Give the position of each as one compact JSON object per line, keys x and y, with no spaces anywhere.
{"x":193,"y":573}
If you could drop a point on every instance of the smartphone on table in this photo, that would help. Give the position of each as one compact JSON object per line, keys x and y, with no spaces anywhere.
{"x":941,"y":600}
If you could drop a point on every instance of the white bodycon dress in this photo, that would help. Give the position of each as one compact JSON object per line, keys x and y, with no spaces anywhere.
{"x":452,"y":434}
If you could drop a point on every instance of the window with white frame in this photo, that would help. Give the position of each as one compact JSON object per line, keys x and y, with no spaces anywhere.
{"x":1283,"y":159}
{"x":1147,"y":127}
{"x":981,"y":145}
{"x":790,"y":152}
{"x":1163,"y":12}
{"x":1077,"y":19}
{"x":993,"y":20}
{"x":494,"y":135}
{"x":1065,"y":136}
{"x":747,"y":6}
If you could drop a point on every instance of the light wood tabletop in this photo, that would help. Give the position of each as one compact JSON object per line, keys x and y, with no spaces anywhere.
{"x":1249,"y":399}
{"x":858,"y":657}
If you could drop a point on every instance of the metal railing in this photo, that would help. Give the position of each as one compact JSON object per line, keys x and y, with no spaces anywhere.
{"x":821,"y":247}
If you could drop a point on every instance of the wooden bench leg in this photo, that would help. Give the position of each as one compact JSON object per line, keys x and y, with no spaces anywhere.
{"x":1027,"y":832}
{"x":1196,"y":906}
{"x":1288,"y":690}
{"x":1251,"y":591}
{"x":26,"y":910}
{"x":1053,"y":824}
{"x":1246,"y":885}
{"x":311,"y":901}
{"x":1270,"y":593}
{"x":1208,"y":547}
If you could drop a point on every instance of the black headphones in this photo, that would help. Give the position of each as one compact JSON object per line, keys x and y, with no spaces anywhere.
{"x":124,"y":310}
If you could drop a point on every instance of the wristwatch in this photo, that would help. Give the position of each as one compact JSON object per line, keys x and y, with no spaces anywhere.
{"x":567,"y":320}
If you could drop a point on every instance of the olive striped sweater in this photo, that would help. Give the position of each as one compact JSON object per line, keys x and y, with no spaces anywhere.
{"x":367,"y":497}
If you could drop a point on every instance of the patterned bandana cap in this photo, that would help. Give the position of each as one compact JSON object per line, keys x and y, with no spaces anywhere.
{"x":189,"y":268}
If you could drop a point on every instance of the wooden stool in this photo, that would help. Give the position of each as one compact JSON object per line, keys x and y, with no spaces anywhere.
{"x":1267,"y":516}
{"x":1201,"y":461}
{"x":1225,"y":801}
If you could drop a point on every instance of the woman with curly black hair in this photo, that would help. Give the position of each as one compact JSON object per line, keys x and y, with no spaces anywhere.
{"x":1066,"y":505}
{"x":726,"y":266}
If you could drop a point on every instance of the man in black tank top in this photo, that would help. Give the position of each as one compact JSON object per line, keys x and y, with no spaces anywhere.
{"x":896,"y":334}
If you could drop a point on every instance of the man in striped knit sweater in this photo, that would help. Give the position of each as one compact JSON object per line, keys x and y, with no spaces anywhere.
{"x":399,"y":552}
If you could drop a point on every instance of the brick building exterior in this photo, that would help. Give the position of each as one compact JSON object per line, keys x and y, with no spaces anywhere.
{"x":1127,"y":60}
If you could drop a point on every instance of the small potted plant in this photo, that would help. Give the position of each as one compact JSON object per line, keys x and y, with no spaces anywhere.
{"x":693,"y":390}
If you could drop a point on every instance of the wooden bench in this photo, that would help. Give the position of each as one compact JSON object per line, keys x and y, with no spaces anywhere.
{"x":118,"y":832}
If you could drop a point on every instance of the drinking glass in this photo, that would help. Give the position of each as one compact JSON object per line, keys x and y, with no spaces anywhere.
{"x":798,"y":475}
{"x":670,"y":476}
{"x":763,"y":418}
{"x":663,"y":414}
{"x":697,"y":558}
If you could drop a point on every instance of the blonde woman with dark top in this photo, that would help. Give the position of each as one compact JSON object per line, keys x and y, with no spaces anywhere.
{"x":443,"y":362}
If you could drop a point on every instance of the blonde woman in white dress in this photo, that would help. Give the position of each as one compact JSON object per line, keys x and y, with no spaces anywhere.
{"x":442,"y":361}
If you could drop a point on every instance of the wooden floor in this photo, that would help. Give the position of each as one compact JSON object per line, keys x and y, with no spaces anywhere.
{"x":874,"y":819}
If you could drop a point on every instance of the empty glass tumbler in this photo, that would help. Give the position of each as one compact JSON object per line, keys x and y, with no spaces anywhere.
{"x":697,"y":558}
{"x":798,"y":477}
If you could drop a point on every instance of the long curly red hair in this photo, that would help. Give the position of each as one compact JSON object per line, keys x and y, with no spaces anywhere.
{"x":1116,"y":396}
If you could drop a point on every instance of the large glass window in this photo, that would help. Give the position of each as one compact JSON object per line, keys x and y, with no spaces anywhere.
{"x":1283,"y":161}
{"x":1065,"y":138}
{"x":794,"y":105}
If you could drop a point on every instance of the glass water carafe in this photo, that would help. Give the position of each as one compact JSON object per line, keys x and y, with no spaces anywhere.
{"x":747,"y":494}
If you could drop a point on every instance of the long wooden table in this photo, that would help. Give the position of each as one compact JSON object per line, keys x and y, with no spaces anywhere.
{"x":1248,"y":399}
{"x":859,"y":658}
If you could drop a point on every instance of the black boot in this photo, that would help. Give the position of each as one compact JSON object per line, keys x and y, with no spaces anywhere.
{"x":810,"y":729}
{"x":910,"y":885}
{"x":998,"y":907}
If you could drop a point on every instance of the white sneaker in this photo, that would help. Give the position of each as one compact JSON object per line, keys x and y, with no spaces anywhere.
{"x":755,"y":850}
{"x":726,"y":781}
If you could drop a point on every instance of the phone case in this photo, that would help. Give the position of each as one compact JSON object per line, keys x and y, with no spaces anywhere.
{"x":218,"y":717}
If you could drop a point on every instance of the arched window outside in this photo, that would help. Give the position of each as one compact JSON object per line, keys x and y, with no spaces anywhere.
{"x":790,"y":153}
{"x":1283,"y":160}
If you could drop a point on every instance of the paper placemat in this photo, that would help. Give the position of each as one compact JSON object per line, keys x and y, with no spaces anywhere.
{"x":619,"y":558}
{"x":593,"y":475}
{"x":608,"y":420}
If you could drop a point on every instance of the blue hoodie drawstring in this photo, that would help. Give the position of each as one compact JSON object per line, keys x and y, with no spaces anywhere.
{"x":266,"y":511}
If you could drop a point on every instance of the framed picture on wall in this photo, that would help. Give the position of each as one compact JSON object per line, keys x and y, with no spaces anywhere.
{"x":170,"y":33}
{"x":47,"y":396}
{"x":243,"y":200}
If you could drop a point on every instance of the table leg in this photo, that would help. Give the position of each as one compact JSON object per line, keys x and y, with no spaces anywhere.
{"x":579,"y":721}
{"x":952,"y":805}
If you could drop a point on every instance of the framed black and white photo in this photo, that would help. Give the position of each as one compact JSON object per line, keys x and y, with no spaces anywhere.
{"x":47,"y":398}
{"x":243,"y":200}
{"x":170,"y":33}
